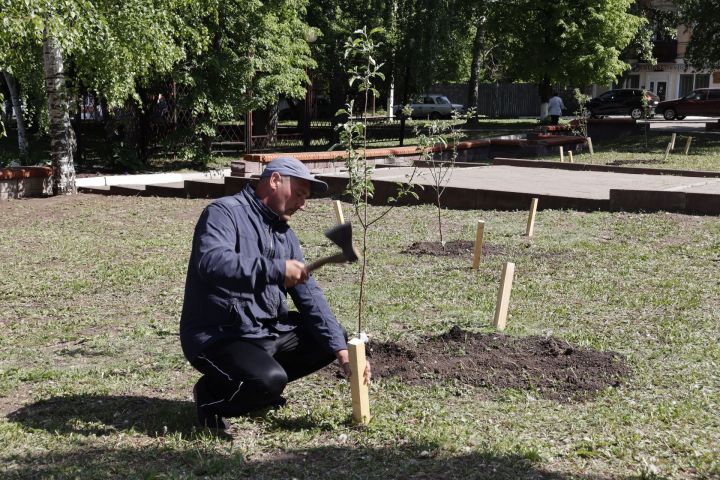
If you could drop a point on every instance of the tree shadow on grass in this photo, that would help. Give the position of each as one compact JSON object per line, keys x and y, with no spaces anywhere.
{"x":410,"y":461}
{"x":106,"y":414}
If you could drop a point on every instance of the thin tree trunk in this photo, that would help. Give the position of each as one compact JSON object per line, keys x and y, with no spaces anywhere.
{"x":61,"y":134}
{"x":15,"y":98}
{"x":474,"y":82}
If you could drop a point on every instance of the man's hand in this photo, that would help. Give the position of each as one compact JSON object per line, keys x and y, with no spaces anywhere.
{"x":295,"y":273}
{"x":343,"y":358}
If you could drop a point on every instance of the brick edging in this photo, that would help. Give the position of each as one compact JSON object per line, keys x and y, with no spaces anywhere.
{"x":373,"y":153}
{"x":13,"y":173}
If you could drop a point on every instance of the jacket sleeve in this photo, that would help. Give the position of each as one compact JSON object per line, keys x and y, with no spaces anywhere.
{"x":217,"y":262}
{"x":314,"y":308}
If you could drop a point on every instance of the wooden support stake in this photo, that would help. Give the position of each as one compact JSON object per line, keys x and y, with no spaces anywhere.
{"x":667,"y":151}
{"x":503,"y":299}
{"x":687,"y":145}
{"x":672,"y":141}
{"x":590,"y":147}
{"x":339,"y":212}
{"x":478,"y":244}
{"x":562,"y":155}
{"x":570,"y":155}
{"x":531,"y":218}
{"x":358,"y":386}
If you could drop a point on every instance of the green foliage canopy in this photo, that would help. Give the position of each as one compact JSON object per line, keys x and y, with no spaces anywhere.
{"x":702,"y":17}
{"x":563,"y":41}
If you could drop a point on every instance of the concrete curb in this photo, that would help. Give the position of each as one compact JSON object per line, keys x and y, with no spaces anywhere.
{"x":150,"y":178}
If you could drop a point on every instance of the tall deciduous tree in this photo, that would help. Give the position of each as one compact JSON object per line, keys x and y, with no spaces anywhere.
{"x":257,"y":51}
{"x":701,"y":16}
{"x":563,"y":41}
{"x":112,"y":46}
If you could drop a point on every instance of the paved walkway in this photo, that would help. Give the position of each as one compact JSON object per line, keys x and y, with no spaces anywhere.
{"x":511,"y":187}
{"x":547,"y":181}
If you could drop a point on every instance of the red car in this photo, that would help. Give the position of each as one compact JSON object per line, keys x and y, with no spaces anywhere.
{"x":703,"y":101}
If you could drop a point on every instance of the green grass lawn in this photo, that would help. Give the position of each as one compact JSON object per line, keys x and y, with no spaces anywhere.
{"x":634,"y":151}
{"x":93,"y":383}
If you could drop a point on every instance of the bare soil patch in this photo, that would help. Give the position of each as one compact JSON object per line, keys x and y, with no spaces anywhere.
{"x":454,"y":248}
{"x":548,"y":366}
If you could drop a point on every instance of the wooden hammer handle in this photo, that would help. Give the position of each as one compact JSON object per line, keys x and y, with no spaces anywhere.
{"x":337,"y":258}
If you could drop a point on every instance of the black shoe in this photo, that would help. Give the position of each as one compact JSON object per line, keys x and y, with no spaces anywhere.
{"x":206,"y":417}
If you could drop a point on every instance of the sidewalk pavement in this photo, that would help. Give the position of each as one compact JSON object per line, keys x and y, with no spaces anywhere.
{"x":150,"y":178}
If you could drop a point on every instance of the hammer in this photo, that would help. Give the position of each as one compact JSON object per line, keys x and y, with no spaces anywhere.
{"x":341,"y":235}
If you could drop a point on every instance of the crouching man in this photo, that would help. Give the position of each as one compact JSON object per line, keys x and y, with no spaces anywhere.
{"x":235,"y":326}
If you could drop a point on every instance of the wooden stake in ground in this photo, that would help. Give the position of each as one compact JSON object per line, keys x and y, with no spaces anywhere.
{"x":667,"y":150}
{"x":358,"y":386}
{"x":503,"y":299}
{"x":478,"y":244}
{"x":590,"y":147}
{"x":570,"y":155}
{"x":339,"y":212}
{"x":687,"y":145}
{"x":562,"y":155}
{"x":672,"y":141}
{"x":531,"y":218}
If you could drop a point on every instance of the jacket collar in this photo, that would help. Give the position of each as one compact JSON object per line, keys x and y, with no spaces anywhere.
{"x":270,"y":217}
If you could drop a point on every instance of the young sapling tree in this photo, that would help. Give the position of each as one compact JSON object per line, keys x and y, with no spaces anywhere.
{"x":440,"y":163}
{"x":365,"y":71}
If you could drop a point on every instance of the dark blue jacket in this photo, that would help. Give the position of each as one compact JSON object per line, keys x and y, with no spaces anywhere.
{"x":236,"y":275}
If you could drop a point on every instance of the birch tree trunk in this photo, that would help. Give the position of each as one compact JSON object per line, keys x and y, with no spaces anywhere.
{"x":61,"y":133}
{"x":15,"y":98}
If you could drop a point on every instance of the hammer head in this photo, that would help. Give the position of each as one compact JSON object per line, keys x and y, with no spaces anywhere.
{"x":341,"y":235}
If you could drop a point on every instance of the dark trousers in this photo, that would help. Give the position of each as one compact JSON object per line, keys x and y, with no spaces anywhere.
{"x":244,"y":375}
{"x":554,"y":119}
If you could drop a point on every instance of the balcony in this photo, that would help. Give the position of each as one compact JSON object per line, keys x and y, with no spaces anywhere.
{"x":665,"y":50}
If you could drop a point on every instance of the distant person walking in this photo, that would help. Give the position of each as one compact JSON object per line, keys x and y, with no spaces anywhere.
{"x":555,"y":108}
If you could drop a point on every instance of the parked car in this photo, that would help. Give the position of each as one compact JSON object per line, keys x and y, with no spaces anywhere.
{"x":432,"y":105}
{"x":622,"y":101}
{"x":703,"y":101}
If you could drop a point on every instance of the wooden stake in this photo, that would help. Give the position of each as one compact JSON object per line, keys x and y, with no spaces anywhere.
{"x":339,"y":212}
{"x":478,"y":244}
{"x":531,"y":218}
{"x":667,"y":150}
{"x":562,"y":155}
{"x":503,"y":299}
{"x":590,"y":147}
{"x":672,"y":141}
{"x":570,"y":155}
{"x":358,"y":386}
{"x":687,"y":145}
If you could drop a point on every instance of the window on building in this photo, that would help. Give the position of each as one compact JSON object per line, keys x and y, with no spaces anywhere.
{"x":633,"y":81}
{"x":702,"y":81}
{"x":686,"y":84}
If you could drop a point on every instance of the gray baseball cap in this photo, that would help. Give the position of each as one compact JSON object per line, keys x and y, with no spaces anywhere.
{"x":292,"y":167}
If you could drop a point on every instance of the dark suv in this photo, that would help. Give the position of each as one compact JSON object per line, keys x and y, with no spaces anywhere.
{"x":703,"y":101}
{"x":622,"y":101}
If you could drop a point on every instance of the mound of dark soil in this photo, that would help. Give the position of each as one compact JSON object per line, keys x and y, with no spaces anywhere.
{"x":454,"y":248}
{"x":548,"y":366}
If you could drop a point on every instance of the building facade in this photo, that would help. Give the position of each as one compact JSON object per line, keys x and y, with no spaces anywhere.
{"x":670,"y":77}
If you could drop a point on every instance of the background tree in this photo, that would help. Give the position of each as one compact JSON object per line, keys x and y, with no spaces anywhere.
{"x":110,"y":48}
{"x":257,"y":51}
{"x":701,"y":16}
{"x":563,"y":41}
{"x":12,"y":87}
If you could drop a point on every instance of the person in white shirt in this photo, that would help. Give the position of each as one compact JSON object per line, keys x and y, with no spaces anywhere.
{"x":555,"y":108}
